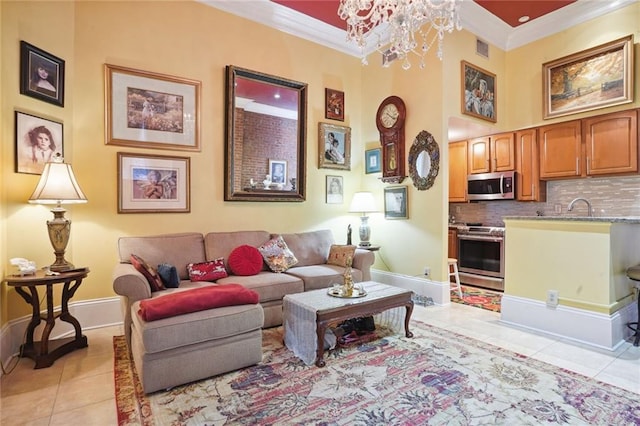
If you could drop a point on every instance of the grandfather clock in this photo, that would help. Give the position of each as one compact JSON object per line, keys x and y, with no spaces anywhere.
{"x":390,"y":120}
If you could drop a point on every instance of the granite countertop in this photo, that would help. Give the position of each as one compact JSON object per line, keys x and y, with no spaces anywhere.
{"x":577,"y":218}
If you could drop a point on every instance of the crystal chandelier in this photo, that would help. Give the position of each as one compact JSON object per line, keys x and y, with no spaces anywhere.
{"x":413,"y":25}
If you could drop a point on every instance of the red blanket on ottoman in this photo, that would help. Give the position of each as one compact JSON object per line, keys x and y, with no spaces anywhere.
{"x":197,"y":299}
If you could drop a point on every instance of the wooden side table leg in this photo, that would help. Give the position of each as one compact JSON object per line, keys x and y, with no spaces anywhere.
{"x":407,"y":318}
{"x":67,"y":294}
{"x":33,"y":300}
{"x":50,"y":320}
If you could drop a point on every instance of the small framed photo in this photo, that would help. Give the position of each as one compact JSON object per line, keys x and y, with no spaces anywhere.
{"x":395,"y":202}
{"x":372,"y":161}
{"x":38,"y":141}
{"x":335,"y":190}
{"x":153,"y":184}
{"x":334,"y":146}
{"x":479,"y":97}
{"x":278,"y":171}
{"x":334,"y":104}
{"x":150,"y":110}
{"x":41,"y":74}
{"x":594,"y":78}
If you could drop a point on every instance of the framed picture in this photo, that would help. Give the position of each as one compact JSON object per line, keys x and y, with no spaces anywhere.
{"x":335,"y":190}
{"x":372,"y":161}
{"x":38,"y":140}
{"x":149,"y":110}
{"x":41,"y":74}
{"x":479,"y":97}
{"x":334,"y":146}
{"x":594,"y":78}
{"x":278,"y":171}
{"x":153,"y":184}
{"x":395,"y":202}
{"x":334,"y":104}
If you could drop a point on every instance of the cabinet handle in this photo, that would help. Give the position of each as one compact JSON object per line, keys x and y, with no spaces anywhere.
{"x":577,"y":166}
{"x":495,"y":163}
{"x":588,"y":164}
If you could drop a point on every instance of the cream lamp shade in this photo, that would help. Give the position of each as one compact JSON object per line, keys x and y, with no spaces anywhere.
{"x":363,"y":202}
{"x":58,"y":186}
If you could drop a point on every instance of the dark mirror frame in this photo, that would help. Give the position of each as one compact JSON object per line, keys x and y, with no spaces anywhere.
{"x":233,"y":160}
{"x":424,"y":144}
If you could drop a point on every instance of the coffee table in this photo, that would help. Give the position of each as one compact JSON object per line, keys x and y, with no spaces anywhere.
{"x":317,"y":310}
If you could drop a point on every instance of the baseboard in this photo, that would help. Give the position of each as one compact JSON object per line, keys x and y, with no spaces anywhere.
{"x":439,"y":292}
{"x":590,"y":328}
{"x":91,"y":314}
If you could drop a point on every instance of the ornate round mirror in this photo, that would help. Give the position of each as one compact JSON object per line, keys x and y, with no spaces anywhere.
{"x":424,"y":161}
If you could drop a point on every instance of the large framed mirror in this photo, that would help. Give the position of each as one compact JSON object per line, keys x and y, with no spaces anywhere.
{"x":265,"y":137}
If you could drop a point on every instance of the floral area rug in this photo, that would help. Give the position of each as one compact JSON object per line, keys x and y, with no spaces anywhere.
{"x":478,"y":297}
{"x":434,"y":378}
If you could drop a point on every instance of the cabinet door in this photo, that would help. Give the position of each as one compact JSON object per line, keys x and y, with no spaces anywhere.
{"x":479,"y":160}
{"x":611,"y":143}
{"x":529,"y":187}
{"x":560,"y":150}
{"x":453,"y":243}
{"x":503,"y":157}
{"x":458,"y":172}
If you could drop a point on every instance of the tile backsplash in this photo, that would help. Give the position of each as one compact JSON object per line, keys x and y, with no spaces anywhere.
{"x":616,"y":197}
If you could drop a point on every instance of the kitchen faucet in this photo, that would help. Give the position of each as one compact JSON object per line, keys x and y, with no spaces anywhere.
{"x":590,"y":209}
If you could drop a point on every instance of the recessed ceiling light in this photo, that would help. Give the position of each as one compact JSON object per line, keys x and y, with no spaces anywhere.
{"x":523,"y":19}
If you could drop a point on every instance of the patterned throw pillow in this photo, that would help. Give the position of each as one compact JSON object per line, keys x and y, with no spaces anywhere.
{"x":207,"y":271}
{"x":245,"y":260}
{"x":169,"y":275}
{"x":277,"y":254}
{"x":338,"y":255}
{"x":155,"y":283}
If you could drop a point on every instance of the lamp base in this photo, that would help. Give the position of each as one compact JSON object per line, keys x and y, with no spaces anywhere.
{"x":364,"y":244}
{"x":61,"y":266}
{"x":59,"y":230}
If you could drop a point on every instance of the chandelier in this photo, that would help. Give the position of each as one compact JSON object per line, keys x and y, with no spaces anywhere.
{"x":413,"y":25}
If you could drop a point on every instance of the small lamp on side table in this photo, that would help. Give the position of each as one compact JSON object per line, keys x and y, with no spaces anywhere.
{"x":363,"y":202}
{"x":58,"y":186}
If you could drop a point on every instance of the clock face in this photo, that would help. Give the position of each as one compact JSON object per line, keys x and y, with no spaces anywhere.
{"x":389,"y":115}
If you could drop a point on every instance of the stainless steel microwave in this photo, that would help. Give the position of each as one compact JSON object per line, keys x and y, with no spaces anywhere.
{"x":491,"y":186}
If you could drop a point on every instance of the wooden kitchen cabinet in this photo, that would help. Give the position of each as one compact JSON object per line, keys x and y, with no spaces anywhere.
{"x":453,"y":243}
{"x":529,"y":187}
{"x":495,"y":153}
{"x":602,"y":145}
{"x":458,"y":172}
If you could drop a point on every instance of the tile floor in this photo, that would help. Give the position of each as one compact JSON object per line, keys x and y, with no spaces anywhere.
{"x":79,"y":388}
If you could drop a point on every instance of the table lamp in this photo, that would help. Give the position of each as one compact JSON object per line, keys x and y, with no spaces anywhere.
{"x":364,"y":203}
{"x":58,"y":186}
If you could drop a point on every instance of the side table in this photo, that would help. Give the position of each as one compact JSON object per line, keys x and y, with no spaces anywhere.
{"x":45,"y":352}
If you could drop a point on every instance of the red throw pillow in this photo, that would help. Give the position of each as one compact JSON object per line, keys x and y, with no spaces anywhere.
{"x":155,"y":282}
{"x":207,"y":271}
{"x":245,"y":260}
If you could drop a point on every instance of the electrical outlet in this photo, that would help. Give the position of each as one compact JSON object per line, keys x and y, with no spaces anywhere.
{"x":458,"y":209}
{"x":427,"y":271}
{"x":557,"y":208}
{"x":552,"y":298}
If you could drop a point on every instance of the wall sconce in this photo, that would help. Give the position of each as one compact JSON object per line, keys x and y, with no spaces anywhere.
{"x":58,"y":186}
{"x":363,"y":202}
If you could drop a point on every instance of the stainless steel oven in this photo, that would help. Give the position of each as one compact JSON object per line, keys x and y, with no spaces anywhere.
{"x":481,"y":256}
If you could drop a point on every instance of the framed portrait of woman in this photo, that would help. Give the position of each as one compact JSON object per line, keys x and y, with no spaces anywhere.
{"x":41,"y":74}
{"x":335,"y":190}
{"x":38,"y":141}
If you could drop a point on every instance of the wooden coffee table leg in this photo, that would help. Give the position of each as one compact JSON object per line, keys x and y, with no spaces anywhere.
{"x":321,"y":328}
{"x":407,"y":317}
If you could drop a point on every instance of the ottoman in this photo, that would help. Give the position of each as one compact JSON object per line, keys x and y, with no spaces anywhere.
{"x":173,"y":351}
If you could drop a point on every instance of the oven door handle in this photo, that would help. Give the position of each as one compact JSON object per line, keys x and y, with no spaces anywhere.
{"x":479,"y":238}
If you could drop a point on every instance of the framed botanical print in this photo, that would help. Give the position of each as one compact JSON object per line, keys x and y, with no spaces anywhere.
{"x":395,"y":202}
{"x":334,"y":104}
{"x":38,"y":141}
{"x":41,"y":74}
{"x":372,"y":161}
{"x":479,"y":97}
{"x":334,"y":146}
{"x":153,"y":184}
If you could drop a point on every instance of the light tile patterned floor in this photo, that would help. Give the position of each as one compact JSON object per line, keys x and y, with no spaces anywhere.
{"x":79,"y":389}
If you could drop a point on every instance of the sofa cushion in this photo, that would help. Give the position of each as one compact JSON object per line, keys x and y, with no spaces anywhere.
{"x":194,"y":300}
{"x":310,"y":248}
{"x":277,"y":255}
{"x":155,"y":282}
{"x":341,"y":255}
{"x":207,"y":271}
{"x":221,"y":244}
{"x":169,"y":275}
{"x":245,"y":260}
{"x":322,"y":276}
{"x":269,"y":286}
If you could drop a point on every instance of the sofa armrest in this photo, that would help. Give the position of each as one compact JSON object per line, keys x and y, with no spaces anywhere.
{"x":363,"y":260}
{"x":130,"y":283}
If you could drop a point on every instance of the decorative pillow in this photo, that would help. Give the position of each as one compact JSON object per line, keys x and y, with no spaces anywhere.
{"x":339,"y":255}
{"x":245,"y":260}
{"x":277,"y":254}
{"x":169,"y":275}
{"x":149,"y":273}
{"x":207,"y":271}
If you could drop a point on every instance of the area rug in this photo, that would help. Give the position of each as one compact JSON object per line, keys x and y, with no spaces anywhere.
{"x":478,"y":297}
{"x":435,"y":378}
